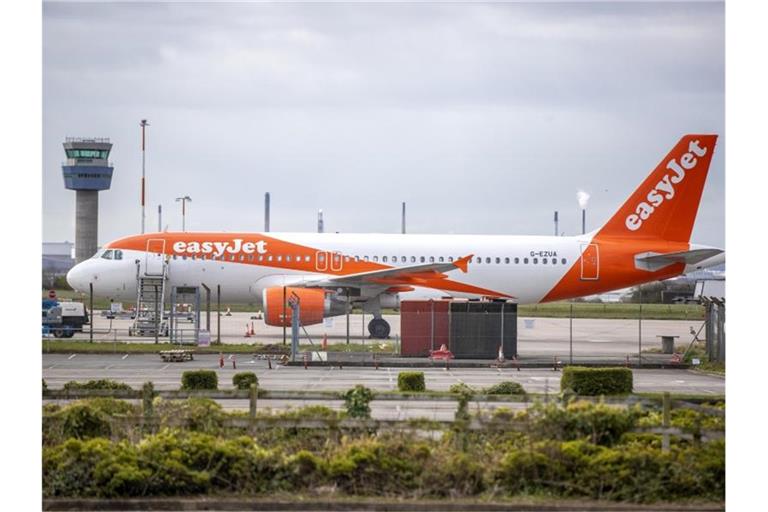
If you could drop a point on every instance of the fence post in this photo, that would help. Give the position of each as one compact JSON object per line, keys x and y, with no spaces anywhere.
{"x":640,"y":336}
{"x":721,"y":332}
{"x":252,"y":406}
{"x":665,"y":420}
{"x":571,"y":335}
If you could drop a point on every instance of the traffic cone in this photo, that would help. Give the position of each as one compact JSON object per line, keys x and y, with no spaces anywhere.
{"x":234,"y":363}
{"x":252,"y":331}
{"x":325,"y":342}
{"x":221,"y":360}
{"x":247,"y":332}
{"x":501,"y":354}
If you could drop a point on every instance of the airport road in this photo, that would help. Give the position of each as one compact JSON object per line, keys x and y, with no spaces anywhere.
{"x":139,"y":368}
{"x":536,"y":336}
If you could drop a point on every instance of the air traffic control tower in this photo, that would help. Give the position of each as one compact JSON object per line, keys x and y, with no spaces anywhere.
{"x":87,"y":171}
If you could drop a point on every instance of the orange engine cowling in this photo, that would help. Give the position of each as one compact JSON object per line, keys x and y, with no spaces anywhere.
{"x":278,"y":312}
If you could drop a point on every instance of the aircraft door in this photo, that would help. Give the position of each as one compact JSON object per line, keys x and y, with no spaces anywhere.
{"x":153,"y":258}
{"x":590,"y":262}
{"x":337,"y":261}
{"x":321,"y":261}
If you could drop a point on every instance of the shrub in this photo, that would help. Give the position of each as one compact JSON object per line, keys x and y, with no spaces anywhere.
{"x":411,"y":381}
{"x":600,"y":423}
{"x":45,"y":386}
{"x":196,"y":414}
{"x":244,"y":380}
{"x":461,"y":388}
{"x":199,"y":379}
{"x":97,"y":384}
{"x":357,"y":400}
{"x":505,"y":388}
{"x":597,"y":381}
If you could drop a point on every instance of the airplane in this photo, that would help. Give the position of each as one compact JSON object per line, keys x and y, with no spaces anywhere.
{"x":647,"y":239}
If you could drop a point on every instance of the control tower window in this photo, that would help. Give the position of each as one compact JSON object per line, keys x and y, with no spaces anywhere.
{"x":87,"y":153}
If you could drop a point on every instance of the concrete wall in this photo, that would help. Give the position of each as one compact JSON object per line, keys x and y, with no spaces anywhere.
{"x":86,"y":224}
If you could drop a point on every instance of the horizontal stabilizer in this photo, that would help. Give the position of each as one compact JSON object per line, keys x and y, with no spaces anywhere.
{"x":653,"y":261}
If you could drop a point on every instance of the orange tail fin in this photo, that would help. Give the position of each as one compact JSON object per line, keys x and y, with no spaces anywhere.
{"x":664,"y":206}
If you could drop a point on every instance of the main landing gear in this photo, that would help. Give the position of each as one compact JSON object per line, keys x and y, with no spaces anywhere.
{"x":379,"y":328}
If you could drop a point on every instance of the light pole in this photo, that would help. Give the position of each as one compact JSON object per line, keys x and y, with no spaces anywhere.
{"x":184,"y":210}
{"x":144,"y":124}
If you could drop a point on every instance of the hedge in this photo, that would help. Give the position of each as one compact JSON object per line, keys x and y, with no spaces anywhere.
{"x":199,"y":379}
{"x":96,"y":384}
{"x":189,"y":463}
{"x":411,"y":381}
{"x":244,"y":380}
{"x":596,"y":381}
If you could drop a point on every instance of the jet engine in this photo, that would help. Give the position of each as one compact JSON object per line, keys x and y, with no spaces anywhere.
{"x":312,"y":302}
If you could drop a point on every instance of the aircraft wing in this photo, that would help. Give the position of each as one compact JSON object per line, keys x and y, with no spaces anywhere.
{"x":404,"y":276}
{"x":654,"y":261}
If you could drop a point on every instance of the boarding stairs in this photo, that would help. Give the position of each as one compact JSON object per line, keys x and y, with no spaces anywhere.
{"x":150,"y":304}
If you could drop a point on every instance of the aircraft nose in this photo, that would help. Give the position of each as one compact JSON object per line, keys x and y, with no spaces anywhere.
{"x":76,"y":277}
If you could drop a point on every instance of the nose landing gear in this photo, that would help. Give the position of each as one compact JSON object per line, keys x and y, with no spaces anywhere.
{"x":379,"y":328}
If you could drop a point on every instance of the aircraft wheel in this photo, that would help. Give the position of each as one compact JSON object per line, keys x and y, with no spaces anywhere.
{"x":378,"y":328}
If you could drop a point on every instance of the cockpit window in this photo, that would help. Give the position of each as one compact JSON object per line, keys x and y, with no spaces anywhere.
{"x":118,"y":254}
{"x":108,"y":254}
{"x":98,"y":253}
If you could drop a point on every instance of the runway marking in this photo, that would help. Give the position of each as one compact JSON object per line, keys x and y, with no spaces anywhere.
{"x":108,"y":367}
{"x":72,"y":356}
{"x":52,"y":367}
{"x":166,"y":366}
{"x":126,"y":355}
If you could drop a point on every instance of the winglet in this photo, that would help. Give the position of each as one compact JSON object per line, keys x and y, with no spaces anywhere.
{"x":462,"y":263}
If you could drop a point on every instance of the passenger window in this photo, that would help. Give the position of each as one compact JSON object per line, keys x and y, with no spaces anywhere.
{"x":544,"y":260}
{"x":320,"y":258}
{"x":450,"y":259}
{"x":365,"y":258}
{"x":413,"y":259}
{"x":376,"y":258}
{"x":287,"y":257}
{"x":562,"y":261}
{"x":423,"y":259}
{"x":498,"y":260}
{"x":525,"y":261}
{"x":517,"y":261}
{"x":184,"y":257}
{"x":487,"y":260}
{"x":261,"y":257}
{"x":431,"y":259}
{"x":174,"y":256}
{"x":232,"y":257}
{"x":554,"y":261}
{"x":403,"y":259}
{"x":307,"y":258}
{"x":384,"y":259}
{"x":506,"y":260}
{"x":479,"y":259}
{"x":535,"y":261}
{"x":250,"y":257}
{"x":441,"y":259}
{"x":346,"y":259}
{"x":269,"y":258}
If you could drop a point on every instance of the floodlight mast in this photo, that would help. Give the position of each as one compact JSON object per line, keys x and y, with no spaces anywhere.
{"x":144,"y":125}
{"x":183,"y":201}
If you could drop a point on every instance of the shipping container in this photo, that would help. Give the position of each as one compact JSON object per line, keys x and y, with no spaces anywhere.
{"x":478,"y":328}
{"x":424,"y":326}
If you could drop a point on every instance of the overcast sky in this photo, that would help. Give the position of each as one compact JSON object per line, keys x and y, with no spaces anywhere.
{"x":485,"y":118}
